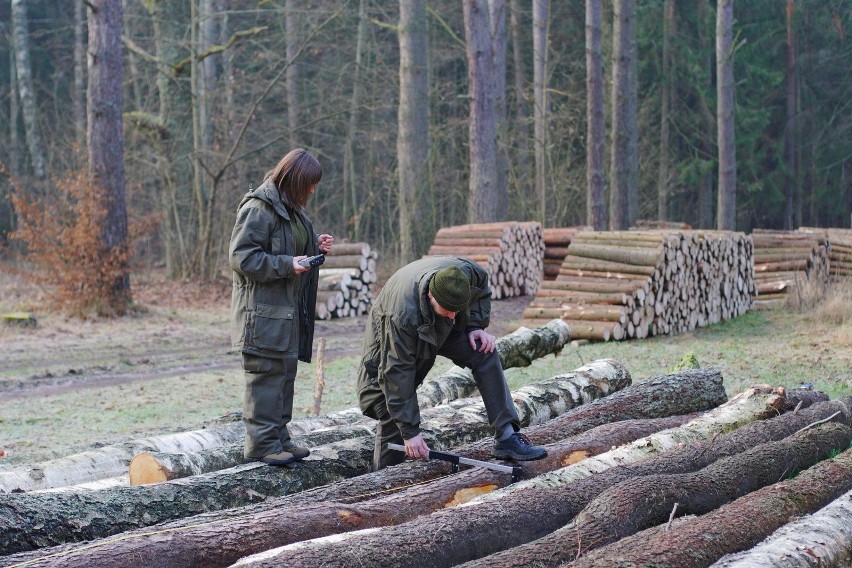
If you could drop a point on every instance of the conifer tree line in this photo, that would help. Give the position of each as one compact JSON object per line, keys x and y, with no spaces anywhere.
{"x":430,"y":113}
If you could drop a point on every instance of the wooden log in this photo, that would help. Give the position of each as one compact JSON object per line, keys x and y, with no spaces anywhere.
{"x":593,"y":312}
{"x":592,"y":284}
{"x":221,"y":544}
{"x":156,"y":467}
{"x":468,"y":532}
{"x":597,"y":265}
{"x":822,"y":538}
{"x":614,"y":514}
{"x":738,"y":525}
{"x":33,"y":520}
{"x":346,"y":261}
{"x":349,"y":249}
{"x":636,"y":257}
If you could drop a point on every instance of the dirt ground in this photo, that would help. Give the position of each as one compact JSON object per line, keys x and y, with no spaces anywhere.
{"x":179,"y":328}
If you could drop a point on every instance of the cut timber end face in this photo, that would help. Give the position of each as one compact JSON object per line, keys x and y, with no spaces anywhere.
{"x":468,"y":494}
{"x":145,"y":469}
{"x":575,"y":457}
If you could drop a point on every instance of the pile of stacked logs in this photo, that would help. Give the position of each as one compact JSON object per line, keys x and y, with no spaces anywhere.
{"x":840,"y":250}
{"x":786,"y":260}
{"x":666,"y":472}
{"x":556,"y":241}
{"x":510,"y":252}
{"x":632,"y":284}
{"x":345,"y":281}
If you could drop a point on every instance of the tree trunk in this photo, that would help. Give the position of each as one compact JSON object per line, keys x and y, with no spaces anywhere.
{"x":667,"y":82}
{"x":596,"y":209}
{"x":350,"y":177}
{"x":497,"y":18}
{"x":514,"y":515}
{"x":541,"y":9}
{"x":482,"y":132}
{"x":790,"y":127}
{"x":79,"y":95}
{"x":823,"y":537}
{"x":106,"y":141}
{"x":412,"y":144}
{"x":740,"y":525}
{"x":521,"y":127}
{"x":253,"y":532}
{"x":15,"y":165}
{"x":291,"y":31}
{"x":47,"y":518}
{"x":725,"y":103}
{"x":624,"y":128}
{"x":708,"y":123}
{"x":26,"y":88}
{"x":640,"y":503}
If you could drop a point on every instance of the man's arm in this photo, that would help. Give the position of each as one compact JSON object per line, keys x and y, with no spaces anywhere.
{"x":396,"y":377}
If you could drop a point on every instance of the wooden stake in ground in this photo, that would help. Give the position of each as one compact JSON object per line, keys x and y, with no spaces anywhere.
{"x":320,"y":375}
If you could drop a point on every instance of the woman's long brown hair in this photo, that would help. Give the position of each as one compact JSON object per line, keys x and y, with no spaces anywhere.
{"x":295,"y":175}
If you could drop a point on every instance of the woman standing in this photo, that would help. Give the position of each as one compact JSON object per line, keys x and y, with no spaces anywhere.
{"x":273,"y":298}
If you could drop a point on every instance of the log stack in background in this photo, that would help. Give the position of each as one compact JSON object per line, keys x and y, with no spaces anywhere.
{"x":345,"y":281}
{"x":511,"y":253}
{"x":840,"y":250}
{"x":785,"y":260}
{"x":556,"y":241}
{"x":631,"y":284}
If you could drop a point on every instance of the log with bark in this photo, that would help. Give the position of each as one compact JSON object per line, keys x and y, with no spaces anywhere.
{"x":556,"y":241}
{"x":516,"y":349}
{"x":823,"y":538}
{"x":636,"y":504}
{"x":784,"y":261}
{"x":519,"y":515}
{"x":213,"y":544}
{"x":700,"y":541}
{"x":690,"y":391}
{"x":38,"y":519}
{"x":511,"y":253}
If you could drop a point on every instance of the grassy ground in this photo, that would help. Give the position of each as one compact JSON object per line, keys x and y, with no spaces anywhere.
{"x":780,"y":347}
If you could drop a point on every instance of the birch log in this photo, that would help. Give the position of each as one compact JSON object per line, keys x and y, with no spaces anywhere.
{"x":222,"y":543}
{"x":738,"y":525}
{"x":515,"y":349}
{"x":480,"y":527}
{"x":38,"y":519}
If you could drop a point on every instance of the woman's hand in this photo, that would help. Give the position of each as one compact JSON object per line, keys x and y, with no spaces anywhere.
{"x":298,"y":268}
{"x":324,"y":242}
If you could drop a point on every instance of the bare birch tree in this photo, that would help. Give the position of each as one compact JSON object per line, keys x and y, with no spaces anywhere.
{"x":26,"y":89}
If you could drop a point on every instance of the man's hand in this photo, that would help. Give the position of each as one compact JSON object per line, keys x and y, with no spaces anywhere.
{"x":416,"y":448}
{"x":487,"y":341}
{"x":324,"y":243}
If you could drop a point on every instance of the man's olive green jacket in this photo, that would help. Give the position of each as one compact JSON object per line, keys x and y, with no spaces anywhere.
{"x":403,"y":335}
{"x":267,"y":292}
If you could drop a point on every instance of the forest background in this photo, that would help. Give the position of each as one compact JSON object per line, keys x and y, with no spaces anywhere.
{"x":386,"y":94}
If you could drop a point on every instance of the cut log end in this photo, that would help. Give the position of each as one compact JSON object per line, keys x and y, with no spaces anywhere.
{"x":468,"y":494}
{"x":575,"y":457}
{"x":146,"y":469}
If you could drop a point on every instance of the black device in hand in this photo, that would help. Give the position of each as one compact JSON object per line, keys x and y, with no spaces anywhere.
{"x":312,"y":260}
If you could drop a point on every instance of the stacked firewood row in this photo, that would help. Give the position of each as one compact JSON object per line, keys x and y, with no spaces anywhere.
{"x":657,"y":225}
{"x":631,"y":284}
{"x":510,"y":252}
{"x":786,"y":260}
{"x":666,"y":472}
{"x":840,"y":250}
{"x":556,"y":241}
{"x":345,"y":281}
